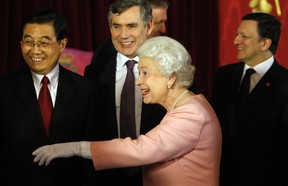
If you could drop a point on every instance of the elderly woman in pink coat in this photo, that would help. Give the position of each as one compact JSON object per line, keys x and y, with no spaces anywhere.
{"x":183,"y":149}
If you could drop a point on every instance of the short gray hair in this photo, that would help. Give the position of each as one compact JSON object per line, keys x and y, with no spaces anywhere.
{"x":170,"y":57}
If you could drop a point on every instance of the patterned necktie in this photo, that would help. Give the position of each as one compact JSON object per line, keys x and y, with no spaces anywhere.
{"x":245,"y":85}
{"x":127,"y":108}
{"x":45,"y":103}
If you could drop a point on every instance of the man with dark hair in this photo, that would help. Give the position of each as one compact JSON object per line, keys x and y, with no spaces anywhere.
{"x":130,"y":23}
{"x":254,"y":119}
{"x":24,"y":124}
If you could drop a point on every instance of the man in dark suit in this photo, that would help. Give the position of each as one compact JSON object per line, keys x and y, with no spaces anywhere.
{"x":21,"y":125}
{"x":130,"y":25}
{"x":254,"y":127}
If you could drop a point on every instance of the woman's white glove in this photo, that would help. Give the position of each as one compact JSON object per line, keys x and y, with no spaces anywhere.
{"x":45,"y":154}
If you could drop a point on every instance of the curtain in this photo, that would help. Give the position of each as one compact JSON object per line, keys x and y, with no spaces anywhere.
{"x":193,"y":23}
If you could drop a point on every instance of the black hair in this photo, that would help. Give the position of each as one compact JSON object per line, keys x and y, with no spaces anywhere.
{"x":268,"y":27}
{"x":47,"y":16}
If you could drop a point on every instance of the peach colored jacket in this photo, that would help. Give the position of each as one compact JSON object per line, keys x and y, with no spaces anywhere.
{"x":184,"y":149}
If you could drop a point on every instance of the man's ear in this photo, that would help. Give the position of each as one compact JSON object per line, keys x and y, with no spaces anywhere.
{"x":149,"y":28}
{"x":63,"y":44}
{"x":266,"y":43}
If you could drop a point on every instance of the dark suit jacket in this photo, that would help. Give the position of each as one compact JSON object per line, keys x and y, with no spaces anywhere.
{"x":102,"y":70}
{"x":254,"y":130}
{"x":22,"y":130}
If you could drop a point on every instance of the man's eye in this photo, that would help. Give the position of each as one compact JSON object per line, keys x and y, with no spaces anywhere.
{"x":44,"y":44}
{"x":116,"y":27}
{"x":29,"y":43}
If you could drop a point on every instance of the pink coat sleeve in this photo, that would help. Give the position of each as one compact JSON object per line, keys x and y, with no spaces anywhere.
{"x":177,"y":134}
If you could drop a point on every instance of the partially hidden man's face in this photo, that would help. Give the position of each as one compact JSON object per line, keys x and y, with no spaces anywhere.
{"x":159,"y":21}
{"x":128,"y":31}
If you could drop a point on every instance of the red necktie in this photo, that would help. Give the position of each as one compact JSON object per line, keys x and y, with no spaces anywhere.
{"x":127,"y":108}
{"x":45,"y":103}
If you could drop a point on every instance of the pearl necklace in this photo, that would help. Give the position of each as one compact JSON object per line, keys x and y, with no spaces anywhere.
{"x":179,"y":97}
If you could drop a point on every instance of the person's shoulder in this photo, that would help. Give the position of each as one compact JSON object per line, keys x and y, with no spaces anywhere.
{"x":104,"y":50}
{"x":280,"y":67}
{"x":11,"y":81}
{"x":76,"y":78}
{"x":103,"y":55}
{"x":232,"y":67}
{"x":15,"y":75}
{"x":7,"y":76}
{"x":107,"y":46}
{"x":6,"y":79}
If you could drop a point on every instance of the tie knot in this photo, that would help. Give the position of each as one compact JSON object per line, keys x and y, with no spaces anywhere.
{"x":45,"y":80}
{"x":250,"y":71}
{"x":130,"y":64}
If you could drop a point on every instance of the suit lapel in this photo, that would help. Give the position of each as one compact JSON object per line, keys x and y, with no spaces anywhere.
{"x":235,"y":81}
{"x":27,"y":94}
{"x":108,"y":75}
{"x":64,"y":96}
{"x":107,"y":79}
{"x":264,"y":84}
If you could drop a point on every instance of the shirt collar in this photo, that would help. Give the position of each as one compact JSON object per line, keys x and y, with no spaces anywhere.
{"x":121,"y":60}
{"x":263,"y":67}
{"x":53,"y":77}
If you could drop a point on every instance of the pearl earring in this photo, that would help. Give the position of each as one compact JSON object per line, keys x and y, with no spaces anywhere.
{"x":169,"y":86}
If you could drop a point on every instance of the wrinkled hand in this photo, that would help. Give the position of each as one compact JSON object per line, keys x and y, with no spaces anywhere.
{"x":46,"y":154}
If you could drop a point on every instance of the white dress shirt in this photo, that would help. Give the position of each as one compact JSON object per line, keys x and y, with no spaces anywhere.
{"x":52,"y":86}
{"x":260,"y":69}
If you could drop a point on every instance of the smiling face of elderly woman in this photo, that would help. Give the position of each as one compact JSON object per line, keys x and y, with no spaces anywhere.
{"x":152,"y":83}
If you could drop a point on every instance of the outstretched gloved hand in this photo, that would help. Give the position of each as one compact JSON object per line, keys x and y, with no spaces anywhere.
{"x":45,"y":154}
